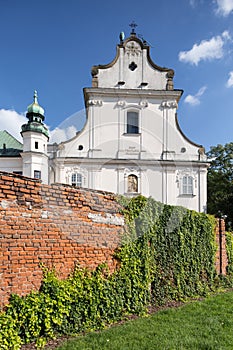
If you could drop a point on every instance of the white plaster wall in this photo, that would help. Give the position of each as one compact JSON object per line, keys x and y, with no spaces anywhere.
{"x":109,"y":77}
{"x":11,"y":164}
{"x":35,"y":161}
{"x":29,"y":139}
{"x":152,"y":183}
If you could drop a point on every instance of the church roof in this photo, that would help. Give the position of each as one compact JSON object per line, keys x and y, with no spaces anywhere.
{"x":35,"y":115}
{"x":35,"y":107}
{"x":132,"y":68}
{"x":9,"y":145}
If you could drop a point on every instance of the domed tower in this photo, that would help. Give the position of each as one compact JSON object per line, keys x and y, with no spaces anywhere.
{"x":35,"y":139}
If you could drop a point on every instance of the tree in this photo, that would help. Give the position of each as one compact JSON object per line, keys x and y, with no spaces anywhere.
{"x":220,"y":182}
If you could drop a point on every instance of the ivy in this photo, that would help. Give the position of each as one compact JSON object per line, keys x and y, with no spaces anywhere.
{"x":167,"y":253}
{"x":229,"y":247}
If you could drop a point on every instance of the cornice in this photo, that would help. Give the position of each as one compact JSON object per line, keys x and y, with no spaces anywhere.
{"x":136,"y":162}
{"x":139,"y":93}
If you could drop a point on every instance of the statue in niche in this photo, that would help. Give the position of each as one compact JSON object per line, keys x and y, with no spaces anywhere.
{"x":132,"y":183}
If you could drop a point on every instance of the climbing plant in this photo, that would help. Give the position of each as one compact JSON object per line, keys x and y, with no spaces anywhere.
{"x":181,"y":245}
{"x":229,"y":248}
{"x":167,"y":253}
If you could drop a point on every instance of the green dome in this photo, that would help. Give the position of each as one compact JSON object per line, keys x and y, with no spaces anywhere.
{"x":35,"y":127}
{"x":35,"y":107}
{"x":35,"y":115}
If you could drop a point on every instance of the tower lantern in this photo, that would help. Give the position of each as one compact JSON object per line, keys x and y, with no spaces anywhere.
{"x":35,"y":139}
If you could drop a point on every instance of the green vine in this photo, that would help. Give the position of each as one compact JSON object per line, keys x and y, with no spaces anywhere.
{"x":167,"y":253}
{"x":229,"y":247}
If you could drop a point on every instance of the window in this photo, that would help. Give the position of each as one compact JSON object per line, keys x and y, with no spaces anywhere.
{"x":37,"y":174}
{"x":132,"y":183}
{"x":132,"y":123}
{"x":187,"y":185}
{"x":76,"y":179}
{"x":36,"y":145}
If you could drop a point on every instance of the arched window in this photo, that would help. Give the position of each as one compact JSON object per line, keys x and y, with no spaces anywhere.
{"x":76,"y":179}
{"x":132,"y":122}
{"x":132,"y":183}
{"x":187,"y":185}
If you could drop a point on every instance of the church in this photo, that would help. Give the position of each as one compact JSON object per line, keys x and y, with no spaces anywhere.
{"x":131,"y":142}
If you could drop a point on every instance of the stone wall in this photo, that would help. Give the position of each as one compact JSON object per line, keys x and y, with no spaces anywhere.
{"x":55,"y":225}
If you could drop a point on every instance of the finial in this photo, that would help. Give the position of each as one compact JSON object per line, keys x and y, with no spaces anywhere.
{"x":122,"y":37}
{"x":35,"y":97}
{"x":133,"y":25}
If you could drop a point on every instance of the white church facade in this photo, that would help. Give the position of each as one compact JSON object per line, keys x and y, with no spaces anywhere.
{"x":131,"y":142}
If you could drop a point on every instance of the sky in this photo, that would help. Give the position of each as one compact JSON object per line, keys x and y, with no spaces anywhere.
{"x":51,"y":45}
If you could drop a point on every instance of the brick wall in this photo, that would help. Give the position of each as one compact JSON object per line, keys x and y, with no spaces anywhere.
{"x":221,"y":256}
{"x":58,"y":225}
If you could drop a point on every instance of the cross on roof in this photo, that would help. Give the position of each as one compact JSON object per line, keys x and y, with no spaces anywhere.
{"x":133,"y":25}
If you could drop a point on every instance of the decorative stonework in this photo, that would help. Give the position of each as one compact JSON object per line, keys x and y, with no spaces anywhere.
{"x":143,"y":104}
{"x":95,"y":103}
{"x":134,"y":171}
{"x":186,"y":172}
{"x":121,"y":103}
{"x":132,"y":183}
{"x":76,"y":170}
{"x":169,"y":104}
{"x":170,"y":76}
{"x":201,"y":151}
{"x":61,"y":147}
{"x":133,"y":49}
{"x":94,"y":71}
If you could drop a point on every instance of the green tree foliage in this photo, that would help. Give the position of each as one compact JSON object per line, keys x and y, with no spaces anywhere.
{"x":220,"y":182}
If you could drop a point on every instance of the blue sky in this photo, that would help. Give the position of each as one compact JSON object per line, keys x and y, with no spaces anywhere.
{"x":51,"y":45}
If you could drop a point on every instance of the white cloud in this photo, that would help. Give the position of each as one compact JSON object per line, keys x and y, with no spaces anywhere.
{"x":230,"y":80}
{"x":58,"y":135}
{"x":226,"y":35}
{"x":12,"y":121}
{"x":69,"y":127}
{"x":225,"y":7}
{"x":194,"y":100}
{"x":206,"y":50}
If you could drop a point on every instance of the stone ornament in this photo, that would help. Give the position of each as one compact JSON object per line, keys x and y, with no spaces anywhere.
{"x":121,"y":103}
{"x":95,"y":103}
{"x":94,"y":71}
{"x":132,"y":183}
{"x":169,"y":104}
{"x":132,"y":49}
{"x":170,"y":76}
{"x":143,"y":104}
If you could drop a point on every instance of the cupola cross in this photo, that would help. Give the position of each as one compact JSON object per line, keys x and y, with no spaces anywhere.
{"x":133,"y":25}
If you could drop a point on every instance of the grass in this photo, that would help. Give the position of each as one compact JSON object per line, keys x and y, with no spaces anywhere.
{"x":200,"y":325}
